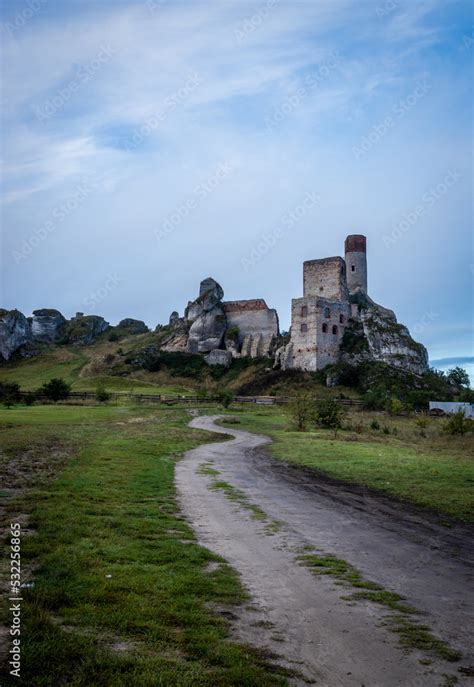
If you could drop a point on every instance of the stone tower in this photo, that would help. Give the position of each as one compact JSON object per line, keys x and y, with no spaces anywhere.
{"x":356,"y":262}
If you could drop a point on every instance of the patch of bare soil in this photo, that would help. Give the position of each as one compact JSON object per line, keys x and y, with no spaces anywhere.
{"x":304,"y":618}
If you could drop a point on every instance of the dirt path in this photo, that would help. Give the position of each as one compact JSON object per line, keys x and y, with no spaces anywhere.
{"x":301,"y":617}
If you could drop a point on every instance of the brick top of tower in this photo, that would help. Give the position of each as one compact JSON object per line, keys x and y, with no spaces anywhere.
{"x":356,"y":243}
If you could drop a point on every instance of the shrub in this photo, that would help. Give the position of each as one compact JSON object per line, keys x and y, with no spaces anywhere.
{"x":330,"y":415}
{"x":375,"y":424}
{"x":56,"y":389}
{"x":302,"y":409}
{"x":9,"y":393}
{"x":113,"y":336}
{"x":217,"y":371}
{"x":226,"y":398}
{"x":102,"y":394}
{"x":395,"y":406}
{"x":29,"y":398}
{"x":457,"y":423}
{"x":386,"y":429}
{"x":422,"y":423}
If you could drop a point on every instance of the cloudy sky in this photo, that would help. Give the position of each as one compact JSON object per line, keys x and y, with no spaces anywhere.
{"x":147,"y":145}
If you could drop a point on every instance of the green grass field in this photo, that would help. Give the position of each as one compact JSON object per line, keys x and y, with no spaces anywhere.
{"x":436,"y":471}
{"x":122,"y":593}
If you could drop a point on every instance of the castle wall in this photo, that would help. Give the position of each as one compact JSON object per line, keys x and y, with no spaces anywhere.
{"x":252,"y":317}
{"x":325,"y":278}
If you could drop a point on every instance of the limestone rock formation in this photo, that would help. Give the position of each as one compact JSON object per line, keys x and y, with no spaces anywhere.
{"x":131,"y":326}
{"x":15,"y":331}
{"x":219,"y":357}
{"x":206,"y":318}
{"x":83,"y":330}
{"x":47,"y":325}
{"x":376,"y":335}
{"x":174,"y":317}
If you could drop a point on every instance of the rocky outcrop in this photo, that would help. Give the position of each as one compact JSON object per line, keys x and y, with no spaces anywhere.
{"x":206,"y":319}
{"x":219,"y":357}
{"x":15,"y":332}
{"x":84,"y":330}
{"x":47,"y":325}
{"x":375,"y":335}
{"x":131,"y":327}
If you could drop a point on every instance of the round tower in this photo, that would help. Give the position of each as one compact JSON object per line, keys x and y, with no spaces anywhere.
{"x":356,"y":263}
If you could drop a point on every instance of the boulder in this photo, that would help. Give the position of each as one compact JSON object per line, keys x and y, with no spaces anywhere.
{"x":219,"y":357}
{"x":15,"y":331}
{"x":207,"y":331}
{"x":47,"y":325}
{"x":83,"y":330}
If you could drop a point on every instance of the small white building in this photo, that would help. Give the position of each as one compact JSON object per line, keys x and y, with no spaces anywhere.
{"x":449,"y":407}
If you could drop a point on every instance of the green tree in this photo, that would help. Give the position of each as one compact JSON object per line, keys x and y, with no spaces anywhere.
{"x":101,"y":393}
{"x":9,"y":393}
{"x":330,"y":415}
{"x":225,"y":398}
{"x":302,"y":409}
{"x":56,"y":389}
{"x":458,"y":377}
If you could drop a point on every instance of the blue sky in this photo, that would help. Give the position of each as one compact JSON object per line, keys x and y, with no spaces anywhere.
{"x":147,"y":145}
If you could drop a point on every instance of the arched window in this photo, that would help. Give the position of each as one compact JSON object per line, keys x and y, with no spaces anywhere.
{"x":341,"y":319}
{"x":327,"y":312}
{"x":334,"y":329}
{"x":325,"y":328}
{"x":304,"y":328}
{"x":353,"y":268}
{"x":304,"y":311}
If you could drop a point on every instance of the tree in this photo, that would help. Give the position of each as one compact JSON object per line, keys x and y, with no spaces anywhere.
{"x":226,"y":398}
{"x":56,"y":389}
{"x":330,"y":415}
{"x":101,"y":393}
{"x":302,"y":410}
{"x":458,"y":377}
{"x":9,"y":393}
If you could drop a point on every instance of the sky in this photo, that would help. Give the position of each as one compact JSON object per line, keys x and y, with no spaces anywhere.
{"x":148,"y":145}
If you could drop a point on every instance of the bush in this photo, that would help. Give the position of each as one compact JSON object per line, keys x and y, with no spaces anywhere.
{"x":226,"y":398}
{"x":29,"y":398}
{"x":9,"y":393}
{"x":457,"y":423}
{"x":217,"y":371}
{"x":113,"y":336}
{"x":422,"y":423}
{"x":302,"y":409}
{"x":102,"y":394}
{"x":375,"y":424}
{"x":395,"y":406}
{"x":386,"y":429}
{"x":56,"y":389}
{"x":330,"y":415}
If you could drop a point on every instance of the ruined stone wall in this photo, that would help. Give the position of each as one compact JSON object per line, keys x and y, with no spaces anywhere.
{"x":317,"y":328}
{"x":325,"y":278}
{"x":252,"y":318}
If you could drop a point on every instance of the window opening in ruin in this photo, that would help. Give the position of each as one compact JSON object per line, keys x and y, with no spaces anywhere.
{"x":327,"y":312}
{"x":325,"y":328}
{"x":304,"y":328}
{"x":341,"y":319}
{"x":334,"y":329}
{"x":353,"y":268}
{"x":304,"y":311}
